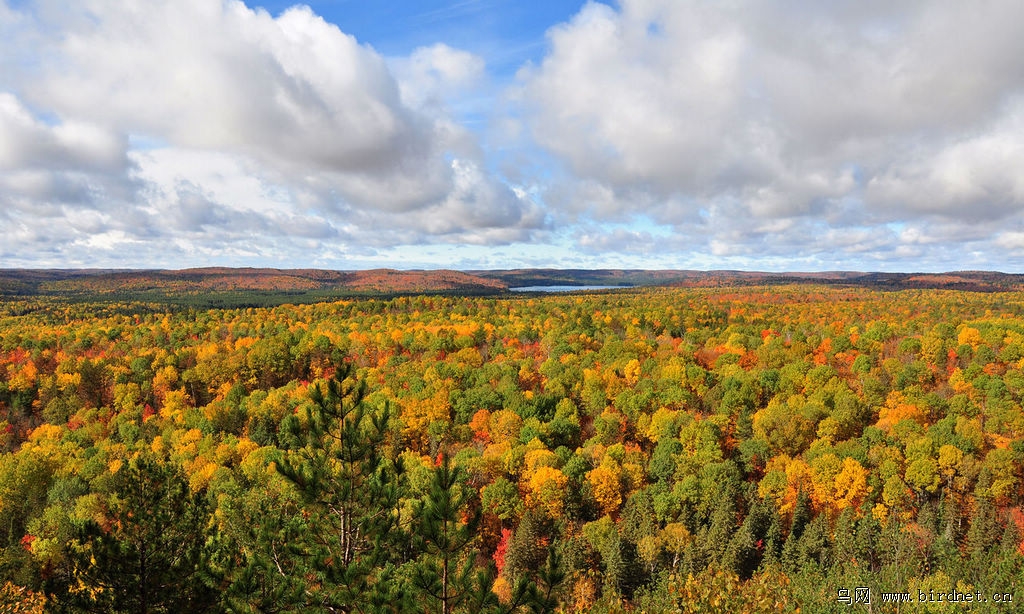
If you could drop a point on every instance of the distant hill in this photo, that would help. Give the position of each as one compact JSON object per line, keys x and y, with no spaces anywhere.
{"x":220,"y":286}
{"x":237,"y":285}
{"x":977,"y":281}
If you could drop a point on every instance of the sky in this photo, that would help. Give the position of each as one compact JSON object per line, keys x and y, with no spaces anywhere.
{"x":490,"y":134}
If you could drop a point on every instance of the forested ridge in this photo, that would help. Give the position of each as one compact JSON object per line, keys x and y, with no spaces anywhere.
{"x":734,"y":449}
{"x":226,"y":287}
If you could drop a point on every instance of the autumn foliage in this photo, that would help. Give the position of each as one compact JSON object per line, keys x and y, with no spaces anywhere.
{"x":733,"y":449}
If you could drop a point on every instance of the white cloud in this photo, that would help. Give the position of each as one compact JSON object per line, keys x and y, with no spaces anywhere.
{"x":831,"y":117}
{"x":727,"y":134}
{"x":293,"y":92}
{"x":193,"y":126}
{"x":26,"y":142}
{"x":975,"y":177}
{"x":431,"y":75}
{"x":1013,"y":240}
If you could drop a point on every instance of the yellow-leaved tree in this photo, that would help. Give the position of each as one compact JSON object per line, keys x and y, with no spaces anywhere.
{"x":547,"y":490}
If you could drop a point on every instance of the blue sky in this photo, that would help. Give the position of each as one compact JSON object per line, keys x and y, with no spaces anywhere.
{"x":497,"y":134}
{"x":506,"y":33}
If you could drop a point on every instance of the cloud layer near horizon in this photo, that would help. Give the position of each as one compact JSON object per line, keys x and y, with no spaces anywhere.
{"x":655,"y":133}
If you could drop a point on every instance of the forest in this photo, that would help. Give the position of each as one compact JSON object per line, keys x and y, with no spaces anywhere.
{"x":784,"y":448}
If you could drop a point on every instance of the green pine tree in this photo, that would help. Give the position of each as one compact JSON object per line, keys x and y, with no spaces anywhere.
{"x":349,"y":492}
{"x":152,"y":556}
{"x":445,"y":576}
{"x":544,"y":594}
{"x":260,"y":552}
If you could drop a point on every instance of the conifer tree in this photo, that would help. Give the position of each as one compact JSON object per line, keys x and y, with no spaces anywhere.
{"x":446,"y":527}
{"x":349,"y":491}
{"x":544,"y":593}
{"x":151,"y":555}
{"x":261,"y":554}
{"x":801,"y":518}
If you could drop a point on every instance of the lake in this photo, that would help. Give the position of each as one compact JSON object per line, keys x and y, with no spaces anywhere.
{"x":564,"y":288}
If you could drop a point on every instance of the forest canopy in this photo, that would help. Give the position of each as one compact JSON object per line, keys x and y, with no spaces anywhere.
{"x":733,"y":449}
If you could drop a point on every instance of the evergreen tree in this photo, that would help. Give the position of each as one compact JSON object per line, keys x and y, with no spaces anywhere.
{"x":446,"y":578}
{"x":446,"y":527}
{"x":869,"y":531}
{"x":544,"y":594}
{"x":526,"y":551}
{"x":151,"y":555}
{"x":981,"y":537}
{"x":349,"y":492}
{"x":261,"y":552}
{"x":816,"y":543}
{"x":1007,"y":563}
{"x":714,"y":538}
{"x":845,"y":542}
{"x":748,"y":545}
{"x":801,"y":518}
{"x":774,"y":537}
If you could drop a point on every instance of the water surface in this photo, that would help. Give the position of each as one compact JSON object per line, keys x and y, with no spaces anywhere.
{"x":564,"y":288}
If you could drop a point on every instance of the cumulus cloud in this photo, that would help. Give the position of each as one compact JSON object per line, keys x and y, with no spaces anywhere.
{"x":293,"y":92}
{"x":622,"y":241}
{"x":57,"y":178}
{"x":433,"y":74}
{"x":973,"y":177}
{"x":836,"y":117}
{"x":205,"y":123}
{"x":26,"y":142}
{"x":677,"y":132}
